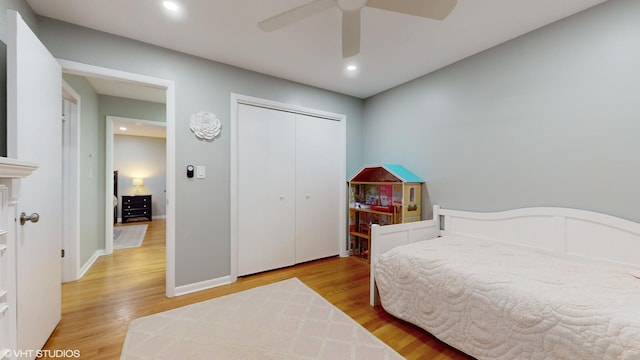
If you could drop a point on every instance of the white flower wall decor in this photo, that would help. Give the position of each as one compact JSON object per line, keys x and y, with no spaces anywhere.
{"x":205,"y":125}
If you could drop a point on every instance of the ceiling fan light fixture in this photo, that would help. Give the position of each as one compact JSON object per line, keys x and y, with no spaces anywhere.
{"x":351,"y":16}
{"x":352,"y":67}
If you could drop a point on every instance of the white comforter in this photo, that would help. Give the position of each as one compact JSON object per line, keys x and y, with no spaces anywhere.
{"x":494,"y":301}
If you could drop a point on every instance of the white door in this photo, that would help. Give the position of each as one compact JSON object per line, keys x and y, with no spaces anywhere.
{"x":318,"y":200}
{"x":266,"y":183}
{"x":34,"y":135}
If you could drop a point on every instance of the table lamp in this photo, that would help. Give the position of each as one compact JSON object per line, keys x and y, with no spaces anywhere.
{"x":137,"y":182}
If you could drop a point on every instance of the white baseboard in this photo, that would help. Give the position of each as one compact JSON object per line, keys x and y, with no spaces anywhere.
{"x":89,"y":263}
{"x":202,"y":285}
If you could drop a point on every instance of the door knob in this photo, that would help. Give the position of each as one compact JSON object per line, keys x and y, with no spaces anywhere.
{"x":33,"y":218}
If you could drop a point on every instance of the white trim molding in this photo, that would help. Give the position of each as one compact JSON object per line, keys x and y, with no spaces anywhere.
{"x":72,"y":67}
{"x":90,"y":262}
{"x":203,"y":285}
{"x":109,"y":167}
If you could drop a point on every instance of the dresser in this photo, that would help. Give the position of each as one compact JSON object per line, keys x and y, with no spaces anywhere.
{"x":136,"y":206}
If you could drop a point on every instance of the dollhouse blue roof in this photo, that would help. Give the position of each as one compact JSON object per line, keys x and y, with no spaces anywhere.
{"x":402,"y":172}
{"x":373,"y":173}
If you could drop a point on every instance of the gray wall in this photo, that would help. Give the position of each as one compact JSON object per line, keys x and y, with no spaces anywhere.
{"x":131,"y":108}
{"x":25,"y":11}
{"x":548,"y":119}
{"x":202,"y":208}
{"x":141,"y":157}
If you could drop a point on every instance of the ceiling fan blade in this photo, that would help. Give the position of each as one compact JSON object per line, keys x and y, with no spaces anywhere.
{"x":294,"y":15}
{"x":350,"y":33}
{"x":432,"y":9}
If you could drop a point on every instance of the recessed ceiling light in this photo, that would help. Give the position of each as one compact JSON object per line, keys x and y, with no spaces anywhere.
{"x":351,"y":70}
{"x":123,"y":128}
{"x":170,"y":5}
{"x":173,"y":9}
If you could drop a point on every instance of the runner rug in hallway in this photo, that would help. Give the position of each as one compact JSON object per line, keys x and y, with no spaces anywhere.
{"x":128,"y":236}
{"x":284,"y":320}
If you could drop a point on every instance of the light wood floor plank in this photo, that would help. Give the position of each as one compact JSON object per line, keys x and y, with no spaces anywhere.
{"x":97,"y":309}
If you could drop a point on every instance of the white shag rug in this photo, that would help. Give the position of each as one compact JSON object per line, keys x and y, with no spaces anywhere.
{"x":284,"y":320}
{"x":128,"y":236}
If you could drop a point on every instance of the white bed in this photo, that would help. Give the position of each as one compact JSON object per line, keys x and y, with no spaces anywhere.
{"x":536,"y":283}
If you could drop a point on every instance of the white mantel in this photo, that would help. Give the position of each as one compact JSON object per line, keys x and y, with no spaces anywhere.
{"x":11,"y":168}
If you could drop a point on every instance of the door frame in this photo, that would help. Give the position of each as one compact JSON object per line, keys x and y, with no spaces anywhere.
{"x":109,"y":168}
{"x":238,"y":99}
{"x":82,"y":69}
{"x":71,"y":185}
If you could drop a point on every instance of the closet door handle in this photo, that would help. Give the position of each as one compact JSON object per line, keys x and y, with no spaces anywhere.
{"x":281,"y":197}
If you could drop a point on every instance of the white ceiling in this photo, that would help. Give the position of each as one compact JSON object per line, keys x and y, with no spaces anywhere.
{"x":135,"y":127}
{"x":125,"y":89}
{"x":395,"y":48}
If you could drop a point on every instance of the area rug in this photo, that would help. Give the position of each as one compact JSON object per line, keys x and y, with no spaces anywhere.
{"x":284,"y":320}
{"x":128,"y":236}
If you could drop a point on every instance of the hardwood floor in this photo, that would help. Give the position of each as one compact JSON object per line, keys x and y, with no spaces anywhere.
{"x":96,"y":309}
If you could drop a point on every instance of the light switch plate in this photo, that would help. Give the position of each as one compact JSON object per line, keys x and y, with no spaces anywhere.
{"x":200,"y":172}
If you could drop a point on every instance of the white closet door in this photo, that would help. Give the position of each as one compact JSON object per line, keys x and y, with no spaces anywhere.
{"x":317,"y":188}
{"x":266,"y":186}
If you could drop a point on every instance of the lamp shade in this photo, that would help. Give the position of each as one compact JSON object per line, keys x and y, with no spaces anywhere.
{"x":137,"y":182}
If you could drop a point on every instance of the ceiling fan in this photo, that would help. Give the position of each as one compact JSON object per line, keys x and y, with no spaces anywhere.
{"x":432,"y":9}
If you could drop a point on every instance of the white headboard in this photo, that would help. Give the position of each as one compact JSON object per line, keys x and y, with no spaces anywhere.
{"x":563,"y":231}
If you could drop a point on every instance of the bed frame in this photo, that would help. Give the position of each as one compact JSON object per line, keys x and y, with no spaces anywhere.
{"x":562,"y":231}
